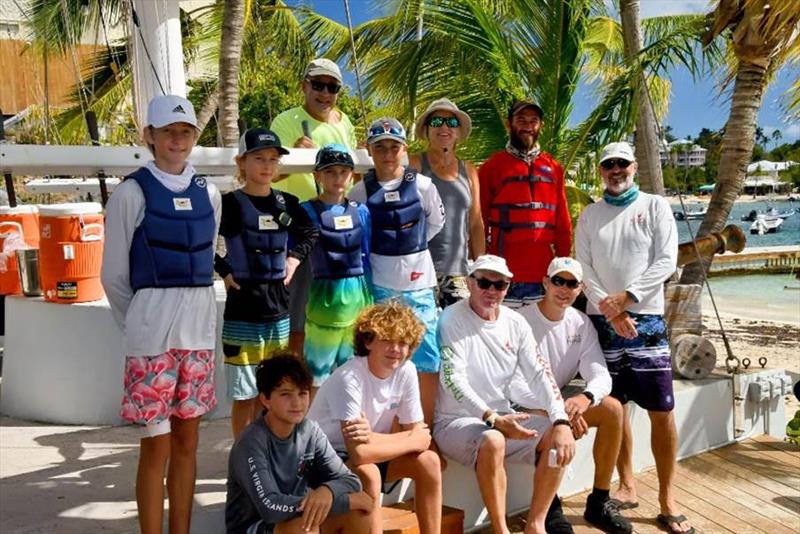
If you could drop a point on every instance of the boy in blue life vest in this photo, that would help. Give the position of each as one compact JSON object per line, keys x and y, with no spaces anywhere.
{"x":161,"y":228}
{"x":340,"y":264}
{"x":259,"y":225}
{"x":406,"y":213}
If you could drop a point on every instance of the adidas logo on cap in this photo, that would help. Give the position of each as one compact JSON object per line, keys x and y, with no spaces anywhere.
{"x":179,"y":109}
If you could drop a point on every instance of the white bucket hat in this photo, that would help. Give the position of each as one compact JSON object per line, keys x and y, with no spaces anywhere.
{"x":444,"y":104}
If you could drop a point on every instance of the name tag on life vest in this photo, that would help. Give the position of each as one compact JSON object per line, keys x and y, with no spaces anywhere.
{"x":182,"y":204}
{"x":391,"y":196}
{"x":267,"y":222}
{"x":343,"y":222}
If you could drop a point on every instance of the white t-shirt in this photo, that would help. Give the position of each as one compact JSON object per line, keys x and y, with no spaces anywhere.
{"x":487,"y":364}
{"x":154,"y":319}
{"x":352,"y":389}
{"x":632,"y":248}
{"x":412,"y":271}
{"x":571,"y":345}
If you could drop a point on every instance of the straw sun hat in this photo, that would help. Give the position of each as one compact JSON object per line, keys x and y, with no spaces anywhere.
{"x":443,"y":104}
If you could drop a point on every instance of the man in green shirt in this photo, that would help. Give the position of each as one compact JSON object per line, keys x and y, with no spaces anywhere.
{"x":325,"y":125}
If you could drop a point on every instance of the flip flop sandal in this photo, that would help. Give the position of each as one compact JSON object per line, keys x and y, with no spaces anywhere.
{"x":666,"y":520}
{"x":624,"y":505}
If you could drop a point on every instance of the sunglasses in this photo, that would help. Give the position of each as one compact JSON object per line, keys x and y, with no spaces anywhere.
{"x":558,"y":282}
{"x":438,"y":122}
{"x":609,"y":163}
{"x":318,"y":86}
{"x":382,"y":129}
{"x":485,"y":283}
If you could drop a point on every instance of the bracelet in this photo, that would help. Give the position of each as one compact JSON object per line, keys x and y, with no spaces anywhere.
{"x":589,"y":395}
{"x":564,"y":422}
{"x":491,"y":419}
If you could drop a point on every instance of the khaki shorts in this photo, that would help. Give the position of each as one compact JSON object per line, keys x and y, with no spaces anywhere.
{"x":461,"y":438}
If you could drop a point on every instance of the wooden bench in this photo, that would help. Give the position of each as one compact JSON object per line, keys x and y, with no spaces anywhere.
{"x":400,"y":519}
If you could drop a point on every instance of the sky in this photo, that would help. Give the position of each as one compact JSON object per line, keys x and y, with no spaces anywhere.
{"x":694,"y":104}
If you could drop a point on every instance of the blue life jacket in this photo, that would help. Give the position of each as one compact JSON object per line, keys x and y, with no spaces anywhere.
{"x":258,"y":253}
{"x":173,"y":246}
{"x":337,"y":253}
{"x":398,"y":220}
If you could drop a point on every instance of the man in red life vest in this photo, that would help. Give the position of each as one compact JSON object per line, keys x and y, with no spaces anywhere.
{"x":524,"y":205}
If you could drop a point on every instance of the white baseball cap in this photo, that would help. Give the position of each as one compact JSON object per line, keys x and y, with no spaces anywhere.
{"x":621,"y":150}
{"x":489,"y":262}
{"x":324,"y":67}
{"x":565,"y":265}
{"x":169,"y":109}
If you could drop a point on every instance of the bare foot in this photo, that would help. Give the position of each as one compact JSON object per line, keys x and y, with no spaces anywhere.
{"x":627,"y":496}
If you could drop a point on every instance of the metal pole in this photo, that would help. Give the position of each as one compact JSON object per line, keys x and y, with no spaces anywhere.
{"x":12,"y":196}
{"x":94,"y":134}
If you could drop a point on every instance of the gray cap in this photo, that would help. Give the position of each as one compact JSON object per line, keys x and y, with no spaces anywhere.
{"x":324,"y":67}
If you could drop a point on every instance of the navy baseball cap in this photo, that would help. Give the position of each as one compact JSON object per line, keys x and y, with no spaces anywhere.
{"x":333,"y":154}
{"x":386,"y":128}
{"x":258,"y":138}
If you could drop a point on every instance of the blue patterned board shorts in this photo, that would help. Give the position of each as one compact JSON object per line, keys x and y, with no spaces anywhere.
{"x":522,"y":294}
{"x":640,"y":368}
{"x":422,"y":301}
{"x":245,"y":344}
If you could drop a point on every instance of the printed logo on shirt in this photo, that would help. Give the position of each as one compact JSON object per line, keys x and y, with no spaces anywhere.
{"x":573,"y":339}
{"x":394,"y":405}
{"x":182,"y":204}
{"x":305,"y":464}
{"x":391,"y":196}
{"x":416,"y":275}
{"x":507,"y":347}
{"x":639,"y":219}
{"x":267,"y":222}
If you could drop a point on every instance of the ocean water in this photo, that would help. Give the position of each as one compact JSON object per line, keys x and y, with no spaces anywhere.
{"x":789,"y":234}
{"x":757,"y":296}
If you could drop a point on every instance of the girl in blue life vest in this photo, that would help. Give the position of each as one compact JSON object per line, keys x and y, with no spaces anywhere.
{"x":340,"y":264}
{"x":161,"y":227}
{"x":267,"y":234}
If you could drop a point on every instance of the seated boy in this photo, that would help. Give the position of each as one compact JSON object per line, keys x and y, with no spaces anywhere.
{"x":357,"y":407}
{"x":283,"y":474}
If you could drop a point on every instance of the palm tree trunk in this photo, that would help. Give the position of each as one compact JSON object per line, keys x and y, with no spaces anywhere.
{"x":208,"y":109}
{"x":737,"y":149}
{"x":229,"y":59}
{"x":646,"y":139}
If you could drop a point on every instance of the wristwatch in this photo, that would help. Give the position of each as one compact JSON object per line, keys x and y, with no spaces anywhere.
{"x":491,"y":419}
{"x":589,"y":395}
{"x":564,"y":422}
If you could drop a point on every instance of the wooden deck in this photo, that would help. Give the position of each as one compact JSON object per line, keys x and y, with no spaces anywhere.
{"x":748,"y":487}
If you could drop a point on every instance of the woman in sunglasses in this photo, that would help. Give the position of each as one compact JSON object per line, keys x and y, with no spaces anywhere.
{"x":443,"y":125}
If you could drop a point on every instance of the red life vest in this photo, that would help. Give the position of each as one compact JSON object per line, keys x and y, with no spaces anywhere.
{"x":525,"y":213}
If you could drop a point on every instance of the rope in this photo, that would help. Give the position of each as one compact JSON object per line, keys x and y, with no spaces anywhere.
{"x":355,"y":65}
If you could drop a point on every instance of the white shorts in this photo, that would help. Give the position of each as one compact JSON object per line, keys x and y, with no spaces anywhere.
{"x":461,"y":438}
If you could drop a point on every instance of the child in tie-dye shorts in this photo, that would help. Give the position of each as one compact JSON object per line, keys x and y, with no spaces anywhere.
{"x":340,"y":263}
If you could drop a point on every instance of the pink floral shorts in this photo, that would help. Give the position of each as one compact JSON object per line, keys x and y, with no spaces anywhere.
{"x":177,"y":382}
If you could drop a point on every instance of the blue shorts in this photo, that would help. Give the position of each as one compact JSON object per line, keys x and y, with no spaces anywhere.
{"x":522,"y":294}
{"x":640,"y":368}
{"x":423,"y":303}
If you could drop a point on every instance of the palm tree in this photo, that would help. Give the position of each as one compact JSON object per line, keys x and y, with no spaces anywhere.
{"x":647,"y":136}
{"x":776,"y":136}
{"x":763,"y":36}
{"x":233,"y":23}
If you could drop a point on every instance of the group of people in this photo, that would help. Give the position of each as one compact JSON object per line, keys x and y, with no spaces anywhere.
{"x":378,"y":325}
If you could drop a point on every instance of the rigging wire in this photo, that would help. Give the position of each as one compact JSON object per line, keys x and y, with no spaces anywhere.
{"x":355,"y":65}
{"x":135,"y":19}
{"x":728,"y":350}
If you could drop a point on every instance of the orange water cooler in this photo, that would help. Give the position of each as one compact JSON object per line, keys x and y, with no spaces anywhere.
{"x":19,"y":228}
{"x":71,"y":251}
